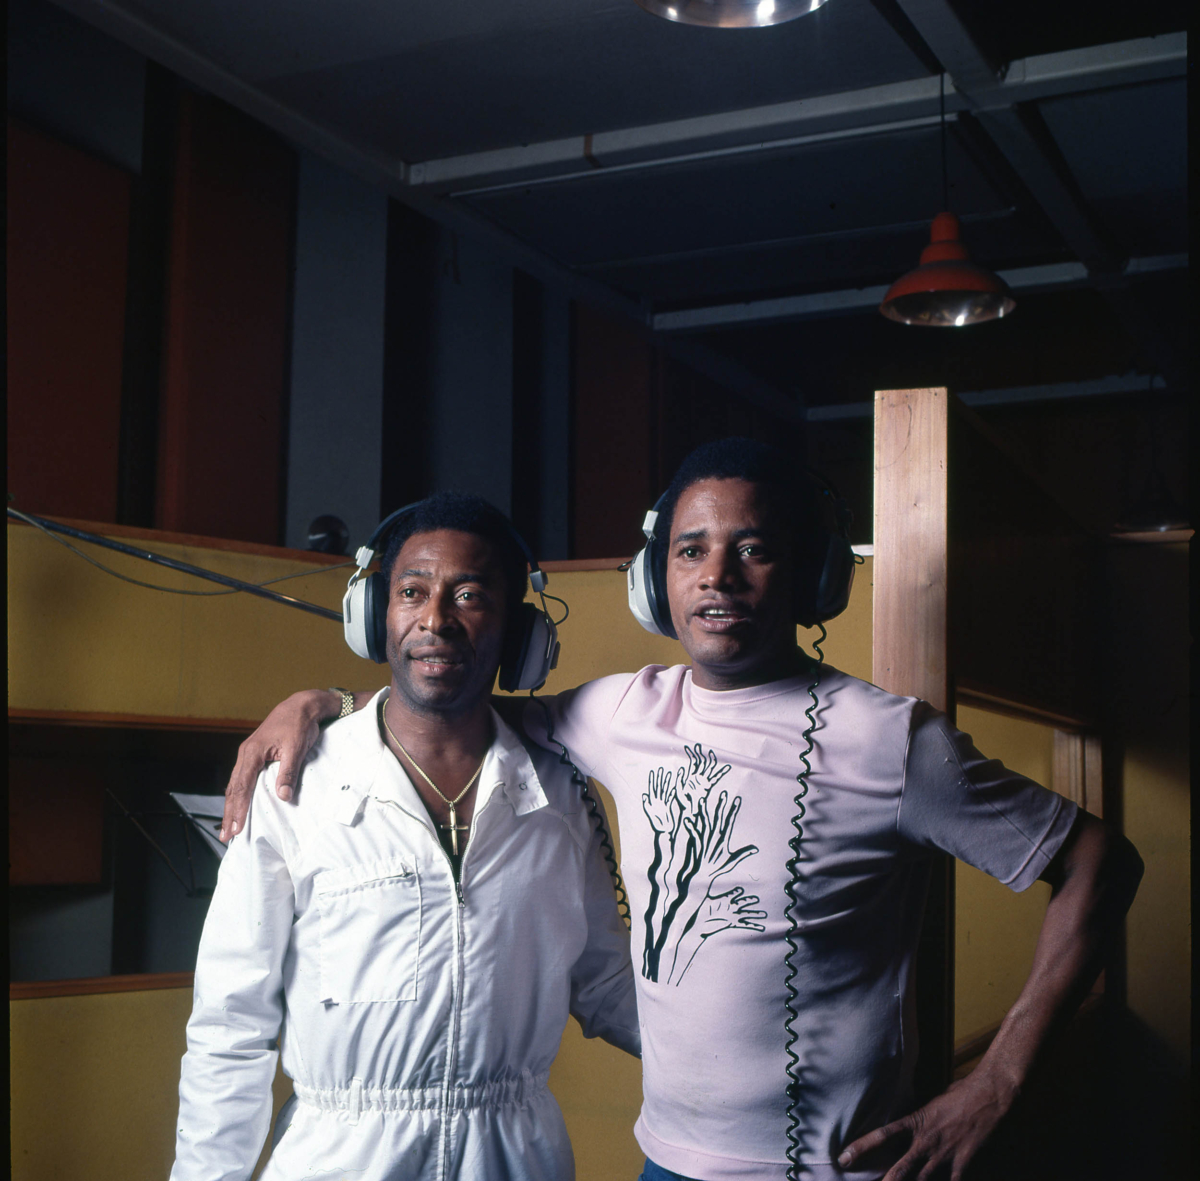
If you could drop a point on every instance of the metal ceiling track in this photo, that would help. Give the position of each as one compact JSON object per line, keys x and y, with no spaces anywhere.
{"x":851,"y":114}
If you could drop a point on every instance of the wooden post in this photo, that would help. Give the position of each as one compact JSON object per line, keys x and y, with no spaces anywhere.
{"x":909,"y":656}
{"x":1076,"y":772}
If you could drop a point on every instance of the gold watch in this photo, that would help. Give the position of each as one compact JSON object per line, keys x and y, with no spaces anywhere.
{"x":347,"y":702}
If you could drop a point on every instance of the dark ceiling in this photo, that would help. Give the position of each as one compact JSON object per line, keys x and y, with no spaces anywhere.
{"x":756,"y":190}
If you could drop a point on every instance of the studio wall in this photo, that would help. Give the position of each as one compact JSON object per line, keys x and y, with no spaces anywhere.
{"x":67,"y":243}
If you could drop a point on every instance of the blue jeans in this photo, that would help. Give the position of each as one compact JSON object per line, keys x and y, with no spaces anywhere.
{"x":653,"y":1172}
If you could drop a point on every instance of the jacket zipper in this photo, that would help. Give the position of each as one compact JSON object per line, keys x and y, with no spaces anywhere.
{"x":456,"y":986}
{"x":459,"y":978}
{"x":460,"y":974}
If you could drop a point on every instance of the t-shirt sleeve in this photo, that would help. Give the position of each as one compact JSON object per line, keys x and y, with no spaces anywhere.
{"x":580,"y":719}
{"x":975,"y":808}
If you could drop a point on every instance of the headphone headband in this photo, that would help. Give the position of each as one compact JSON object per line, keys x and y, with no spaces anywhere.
{"x":366,"y":553}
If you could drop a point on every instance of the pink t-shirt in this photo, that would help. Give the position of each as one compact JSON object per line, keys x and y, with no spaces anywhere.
{"x":705,"y":787}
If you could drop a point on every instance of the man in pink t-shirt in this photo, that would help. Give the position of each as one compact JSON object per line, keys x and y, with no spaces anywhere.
{"x":777,"y":820}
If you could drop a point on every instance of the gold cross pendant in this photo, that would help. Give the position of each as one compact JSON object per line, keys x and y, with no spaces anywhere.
{"x":454,"y":829}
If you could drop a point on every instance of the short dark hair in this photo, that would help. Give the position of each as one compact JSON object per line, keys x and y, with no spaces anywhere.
{"x":464,"y":513}
{"x":780,"y":475}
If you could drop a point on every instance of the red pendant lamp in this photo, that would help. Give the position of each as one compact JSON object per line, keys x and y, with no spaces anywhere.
{"x":947,"y":290}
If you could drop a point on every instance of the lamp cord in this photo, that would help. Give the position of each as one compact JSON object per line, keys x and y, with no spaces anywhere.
{"x":945,"y":171}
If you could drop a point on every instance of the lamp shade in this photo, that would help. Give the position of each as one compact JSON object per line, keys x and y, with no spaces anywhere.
{"x":947,"y":290}
{"x":730,"y":14}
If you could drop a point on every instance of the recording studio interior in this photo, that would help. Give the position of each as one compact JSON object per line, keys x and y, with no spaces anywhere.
{"x":274,"y":271}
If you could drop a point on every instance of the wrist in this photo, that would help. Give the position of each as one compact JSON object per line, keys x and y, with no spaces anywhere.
{"x":1003,"y":1079}
{"x":337,"y":703}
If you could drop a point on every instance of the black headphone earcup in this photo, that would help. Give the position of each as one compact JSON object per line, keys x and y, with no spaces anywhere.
{"x":516,"y":647}
{"x":375,"y":601}
{"x":530,"y":650}
{"x":656,"y":591}
{"x":837,"y":577}
{"x":823,"y":589}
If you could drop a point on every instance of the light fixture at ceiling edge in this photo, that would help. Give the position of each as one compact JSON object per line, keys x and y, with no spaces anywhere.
{"x":947,"y":290}
{"x":730,"y":14}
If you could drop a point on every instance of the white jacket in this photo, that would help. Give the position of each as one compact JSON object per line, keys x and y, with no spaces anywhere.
{"x":418,"y":1022}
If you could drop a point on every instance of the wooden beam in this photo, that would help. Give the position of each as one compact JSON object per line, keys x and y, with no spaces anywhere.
{"x":909,"y":656}
{"x":1076,"y":772}
{"x":909,"y":607}
{"x":30,"y":990}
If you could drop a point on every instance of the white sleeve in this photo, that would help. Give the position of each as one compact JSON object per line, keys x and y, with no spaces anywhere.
{"x":237,"y":1013}
{"x":603,"y":994}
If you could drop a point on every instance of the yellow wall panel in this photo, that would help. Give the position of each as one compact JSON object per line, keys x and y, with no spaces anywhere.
{"x":81,"y":640}
{"x":1151,"y":686}
{"x":1159,"y":927}
{"x":995,"y":930}
{"x":95,"y":1084}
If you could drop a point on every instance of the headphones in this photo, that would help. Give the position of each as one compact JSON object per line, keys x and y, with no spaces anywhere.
{"x":530,"y":645}
{"x":825,"y":567}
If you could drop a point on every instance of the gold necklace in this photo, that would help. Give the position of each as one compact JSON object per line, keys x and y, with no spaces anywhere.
{"x":453,"y":826}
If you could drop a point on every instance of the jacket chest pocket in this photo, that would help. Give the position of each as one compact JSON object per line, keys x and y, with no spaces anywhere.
{"x":370,"y":920}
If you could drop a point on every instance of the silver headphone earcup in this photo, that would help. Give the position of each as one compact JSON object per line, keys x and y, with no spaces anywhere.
{"x":639,"y":593}
{"x":364,"y":618}
{"x":375,"y":601}
{"x":648,"y":607}
{"x":354,"y":617}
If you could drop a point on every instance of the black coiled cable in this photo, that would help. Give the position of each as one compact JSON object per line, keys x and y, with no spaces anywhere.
{"x":793,"y":892}
{"x":578,"y":778}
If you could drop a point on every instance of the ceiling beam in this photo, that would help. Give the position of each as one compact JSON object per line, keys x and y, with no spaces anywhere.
{"x":1050,"y":277}
{"x":953,"y":45}
{"x":781,"y":125}
{"x":1016,"y":129}
{"x":1020,"y":133}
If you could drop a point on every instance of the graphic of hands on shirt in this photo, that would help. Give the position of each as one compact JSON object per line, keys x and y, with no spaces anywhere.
{"x":693,"y":835}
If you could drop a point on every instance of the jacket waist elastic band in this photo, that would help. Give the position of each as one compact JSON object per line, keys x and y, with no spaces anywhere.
{"x":356,"y":1097}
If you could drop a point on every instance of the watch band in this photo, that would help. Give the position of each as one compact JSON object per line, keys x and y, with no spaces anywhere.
{"x":347,"y":702}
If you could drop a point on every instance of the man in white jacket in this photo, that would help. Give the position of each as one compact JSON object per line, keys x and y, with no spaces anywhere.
{"x":415,"y":929}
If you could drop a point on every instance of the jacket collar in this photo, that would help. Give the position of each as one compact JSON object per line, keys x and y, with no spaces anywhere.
{"x":375,"y":771}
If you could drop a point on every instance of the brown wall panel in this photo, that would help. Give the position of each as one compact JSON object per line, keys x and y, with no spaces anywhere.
{"x":220,"y":463}
{"x":615,"y":412}
{"x":67,"y":243}
{"x":639,"y":413}
{"x":55,"y":822}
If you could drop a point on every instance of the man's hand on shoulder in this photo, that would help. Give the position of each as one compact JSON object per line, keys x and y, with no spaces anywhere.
{"x":286,"y":735}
